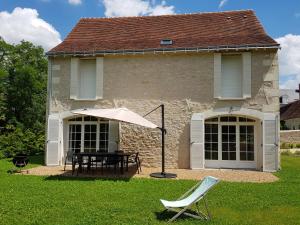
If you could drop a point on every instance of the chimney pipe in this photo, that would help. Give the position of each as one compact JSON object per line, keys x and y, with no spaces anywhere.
{"x":298,"y":91}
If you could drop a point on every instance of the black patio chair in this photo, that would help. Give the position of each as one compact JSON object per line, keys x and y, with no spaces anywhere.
{"x":134,"y":159}
{"x":69,"y":158}
{"x":82,"y":162}
{"x":112,"y":160}
{"x":97,"y":160}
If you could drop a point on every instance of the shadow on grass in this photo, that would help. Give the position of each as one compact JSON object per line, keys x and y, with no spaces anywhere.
{"x":93,"y":175}
{"x":80,"y":178}
{"x":166,"y":215}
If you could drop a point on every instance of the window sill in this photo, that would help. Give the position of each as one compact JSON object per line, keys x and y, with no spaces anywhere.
{"x":87,"y":99}
{"x":233,"y":99}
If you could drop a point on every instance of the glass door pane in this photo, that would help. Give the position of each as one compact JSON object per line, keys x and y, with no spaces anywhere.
{"x":246,"y":142}
{"x":103,"y":137}
{"x":74,"y":138}
{"x":211,"y":141}
{"x":90,"y":135}
{"x":228,"y":142}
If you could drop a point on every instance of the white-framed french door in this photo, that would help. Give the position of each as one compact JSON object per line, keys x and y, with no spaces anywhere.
{"x":88,"y":136}
{"x":230,"y":143}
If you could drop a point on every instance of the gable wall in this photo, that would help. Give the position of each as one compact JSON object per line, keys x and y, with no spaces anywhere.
{"x":183,"y":82}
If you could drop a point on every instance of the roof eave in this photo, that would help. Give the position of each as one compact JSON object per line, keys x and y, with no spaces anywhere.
{"x":163,"y":50}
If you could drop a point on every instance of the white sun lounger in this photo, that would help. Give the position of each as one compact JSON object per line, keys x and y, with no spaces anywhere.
{"x":193,"y":196}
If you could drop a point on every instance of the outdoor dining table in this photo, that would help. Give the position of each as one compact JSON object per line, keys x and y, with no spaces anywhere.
{"x":122,"y":155}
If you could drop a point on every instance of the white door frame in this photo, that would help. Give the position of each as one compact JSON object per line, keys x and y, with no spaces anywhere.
{"x":233,"y":163}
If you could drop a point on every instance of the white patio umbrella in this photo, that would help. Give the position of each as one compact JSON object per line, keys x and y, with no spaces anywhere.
{"x":127,"y":116}
{"x":119,"y":114}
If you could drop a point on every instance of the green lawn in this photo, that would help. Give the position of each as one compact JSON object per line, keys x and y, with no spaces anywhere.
{"x":53,"y":200}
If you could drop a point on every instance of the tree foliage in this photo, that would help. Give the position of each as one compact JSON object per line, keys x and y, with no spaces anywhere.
{"x":23,"y":90}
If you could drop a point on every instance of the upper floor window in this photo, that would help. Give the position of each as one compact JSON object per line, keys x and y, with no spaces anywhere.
{"x":86,"y":78}
{"x":232,"y":76}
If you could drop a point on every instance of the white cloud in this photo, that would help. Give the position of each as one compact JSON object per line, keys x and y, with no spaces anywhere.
{"x":222,"y":3}
{"x":115,"y":8}
{"x":162,"y":9}
{"x":25,"y":24}
{"x":75,"y":2}
{"x":289,"y":60}
{"x":125,"y":7}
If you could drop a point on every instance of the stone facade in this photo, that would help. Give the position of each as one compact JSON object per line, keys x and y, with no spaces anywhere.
{"x":182,"y":81}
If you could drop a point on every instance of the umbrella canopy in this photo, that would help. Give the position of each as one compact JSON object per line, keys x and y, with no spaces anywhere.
{"x":119,"y":114}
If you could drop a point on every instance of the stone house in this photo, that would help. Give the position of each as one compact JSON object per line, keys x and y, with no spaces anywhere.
{"x":216,"y":74}
{"x":290,"y":116}
{"x":288,"y":96}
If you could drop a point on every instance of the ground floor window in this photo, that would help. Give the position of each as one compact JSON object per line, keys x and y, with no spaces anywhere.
{"x":230,"y":138}
{"x":88,"y":134}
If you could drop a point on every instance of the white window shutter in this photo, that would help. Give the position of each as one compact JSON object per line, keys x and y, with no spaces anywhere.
{"x":231,"y":81}
{"x":74,"y":78}
{"x":197,"y":142}
{"x":53,"y":141}
{"x":270,"y":142}
{"x":217,"y":75}
{"x":113,"y":136}
{"x":87,"y":79}
{"x":99,"y":77}
{"x":247,"y":75}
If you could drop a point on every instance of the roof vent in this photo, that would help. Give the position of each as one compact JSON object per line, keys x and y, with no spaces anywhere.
{"x":166,"y":42}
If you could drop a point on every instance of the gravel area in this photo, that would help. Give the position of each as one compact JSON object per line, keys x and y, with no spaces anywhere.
{"x":223,"y":174}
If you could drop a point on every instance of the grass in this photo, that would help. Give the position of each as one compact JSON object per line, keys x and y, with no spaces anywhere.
{"x":56,"y":200}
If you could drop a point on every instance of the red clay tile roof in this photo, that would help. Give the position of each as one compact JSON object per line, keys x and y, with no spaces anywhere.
{"x":187,"y":31}
{"x":290,"y":111}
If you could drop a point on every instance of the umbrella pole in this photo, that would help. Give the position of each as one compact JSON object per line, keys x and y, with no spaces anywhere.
{"x":163,"y":132}
{"x":162,"y":174}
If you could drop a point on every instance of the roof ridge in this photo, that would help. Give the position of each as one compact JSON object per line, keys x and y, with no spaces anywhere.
{"x":168,"y":15}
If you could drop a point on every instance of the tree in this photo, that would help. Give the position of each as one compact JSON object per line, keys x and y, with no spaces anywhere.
{"x":23,"y":92}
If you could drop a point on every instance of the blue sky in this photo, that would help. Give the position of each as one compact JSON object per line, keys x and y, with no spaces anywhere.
{"x":281,"y":20}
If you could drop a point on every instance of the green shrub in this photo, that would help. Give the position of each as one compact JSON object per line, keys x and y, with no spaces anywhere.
{"x":284,"y":145}
{"x":18,"y":141}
